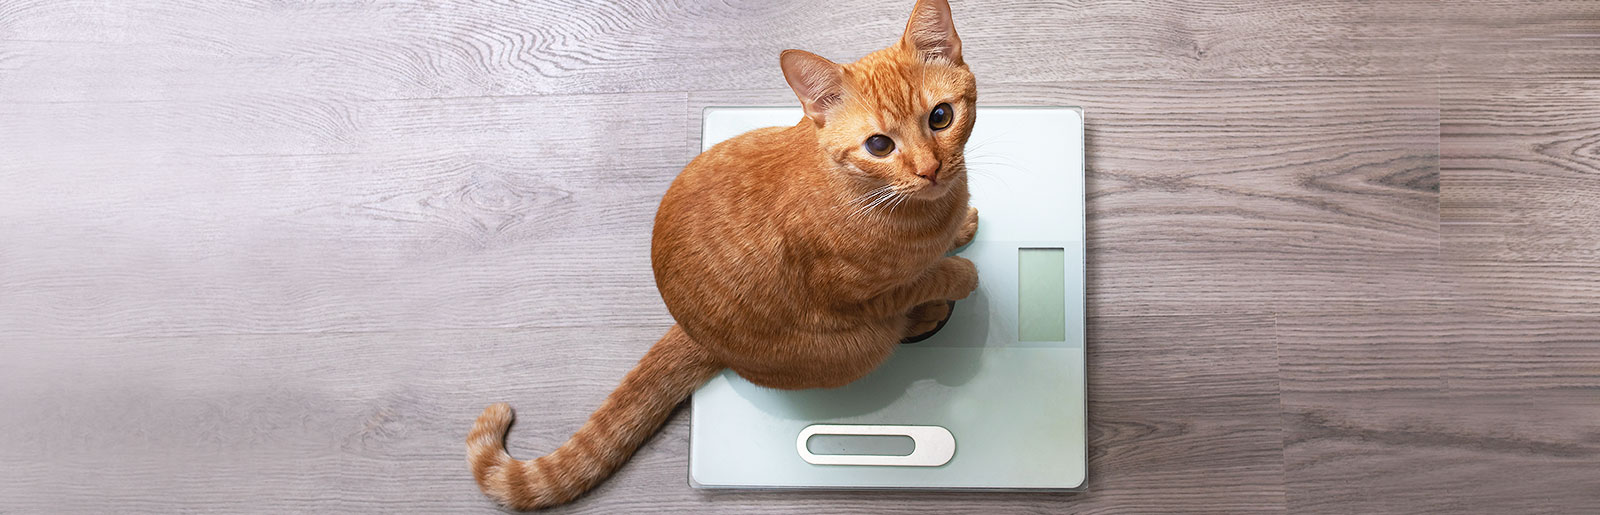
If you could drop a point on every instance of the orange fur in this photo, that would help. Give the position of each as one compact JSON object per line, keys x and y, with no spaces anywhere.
{"x":792,"y":256}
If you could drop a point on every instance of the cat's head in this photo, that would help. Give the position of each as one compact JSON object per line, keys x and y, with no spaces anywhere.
{"x":899,"y":116}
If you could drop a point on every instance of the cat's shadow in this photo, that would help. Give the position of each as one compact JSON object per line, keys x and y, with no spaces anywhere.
{"x":950,"y":358}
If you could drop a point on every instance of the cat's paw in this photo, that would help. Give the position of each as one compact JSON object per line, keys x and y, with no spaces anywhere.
{"x":926,"y":318}
{"x":969,"y":229}
{"x":963,"y":277}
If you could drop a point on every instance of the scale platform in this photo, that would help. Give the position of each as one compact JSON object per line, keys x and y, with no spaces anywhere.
{"x":995,"y":400}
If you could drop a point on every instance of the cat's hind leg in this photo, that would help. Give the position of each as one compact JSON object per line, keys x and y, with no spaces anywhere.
{"x":822,"y":360}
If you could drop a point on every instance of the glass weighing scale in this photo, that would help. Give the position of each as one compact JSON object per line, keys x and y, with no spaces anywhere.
{"x":994,"y":400}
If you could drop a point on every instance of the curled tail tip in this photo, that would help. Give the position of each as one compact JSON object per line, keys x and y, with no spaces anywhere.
{"x":486,"y":442}
{"x":492,"y":423}
{"x":497,"y":413}
{"x":492,"y":466}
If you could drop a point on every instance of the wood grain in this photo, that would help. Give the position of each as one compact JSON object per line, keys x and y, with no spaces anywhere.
{"x":1385,"y":412}
{"x":148,"y":50}
{"x":346,"y":422}
{"x":375,"y":421}
{"x":279,"y":215}
{"x":1521,"y":194}
{"x":1511,"y":41}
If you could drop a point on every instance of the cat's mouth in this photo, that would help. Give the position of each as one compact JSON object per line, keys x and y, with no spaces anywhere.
{"x":930,"y":189}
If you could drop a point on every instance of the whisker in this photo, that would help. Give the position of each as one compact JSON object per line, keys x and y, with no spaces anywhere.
{"x":878,"y":200}
{"x":863,"y":205}
{"x":897,"y":203}
{"x":891,"y":197}
{"x":864,"y":196}
{"x":986,"y":165}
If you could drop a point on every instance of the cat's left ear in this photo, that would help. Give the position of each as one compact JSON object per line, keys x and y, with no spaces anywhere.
{"x":931,"y":32}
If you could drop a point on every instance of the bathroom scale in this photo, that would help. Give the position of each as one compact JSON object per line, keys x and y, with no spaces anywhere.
{"x":993,"y":400}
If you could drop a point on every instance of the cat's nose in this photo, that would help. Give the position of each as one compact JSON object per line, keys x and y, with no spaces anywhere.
{"x":929,"y":170}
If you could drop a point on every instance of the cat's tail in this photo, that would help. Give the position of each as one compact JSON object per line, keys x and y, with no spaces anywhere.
{"x":667,"y":374}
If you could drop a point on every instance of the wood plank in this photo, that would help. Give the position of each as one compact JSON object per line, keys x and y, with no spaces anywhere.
{"x":287,"y":423}
{"x":1237,"y":196}
{"x":1521,"y":226}
{"x":1513,"y":40}
{"x":1184,"y":417}
{"x":152,"y":50}
{"x":1440,"y":413}
{"x":284,"y":215}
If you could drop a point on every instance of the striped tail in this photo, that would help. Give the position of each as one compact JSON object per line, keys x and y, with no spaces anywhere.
{"x":667,"y":374}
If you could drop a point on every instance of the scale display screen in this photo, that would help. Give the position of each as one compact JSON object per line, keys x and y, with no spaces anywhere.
{"x":1041,"y":295}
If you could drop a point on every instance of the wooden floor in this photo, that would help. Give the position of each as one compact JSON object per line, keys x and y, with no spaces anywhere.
{"x":275,"y":256}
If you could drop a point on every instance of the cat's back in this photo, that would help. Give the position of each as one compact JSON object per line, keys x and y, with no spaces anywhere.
{"x":747,"y":155}
{"x":746,"y":174}
{"x":720,"y":231}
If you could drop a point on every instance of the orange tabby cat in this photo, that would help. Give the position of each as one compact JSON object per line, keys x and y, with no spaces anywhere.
{"x":799,"y":257}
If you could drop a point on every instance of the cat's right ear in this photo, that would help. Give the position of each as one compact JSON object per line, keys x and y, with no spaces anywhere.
{"x":818,"y":82}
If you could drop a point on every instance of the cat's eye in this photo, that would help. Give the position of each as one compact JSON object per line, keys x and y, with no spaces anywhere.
{"x":879,"y":145}
{"x":941,"y":116}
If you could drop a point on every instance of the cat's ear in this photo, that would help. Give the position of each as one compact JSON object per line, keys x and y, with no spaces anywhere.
{"x":818,"y":82}
{"x":931,"y":32}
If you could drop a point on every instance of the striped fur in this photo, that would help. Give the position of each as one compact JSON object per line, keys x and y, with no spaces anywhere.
{"x":667,"y":374}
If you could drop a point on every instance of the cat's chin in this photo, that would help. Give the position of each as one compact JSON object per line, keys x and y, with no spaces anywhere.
{"x":931,"y":191}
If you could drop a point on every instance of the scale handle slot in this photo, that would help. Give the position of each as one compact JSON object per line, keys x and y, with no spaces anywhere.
{"x":932,"y":446}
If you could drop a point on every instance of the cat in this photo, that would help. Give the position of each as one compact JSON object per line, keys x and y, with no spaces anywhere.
{"x":799,"y":257}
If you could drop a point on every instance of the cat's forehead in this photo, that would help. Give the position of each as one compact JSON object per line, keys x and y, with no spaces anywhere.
{"x":895,"y":88}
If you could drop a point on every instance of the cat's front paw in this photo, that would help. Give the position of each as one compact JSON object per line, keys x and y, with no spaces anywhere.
{"x":963,"y":277}
{"x":968,"y":230}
